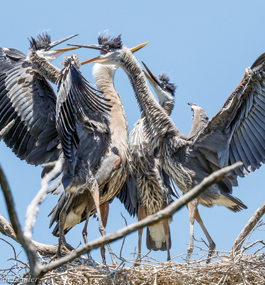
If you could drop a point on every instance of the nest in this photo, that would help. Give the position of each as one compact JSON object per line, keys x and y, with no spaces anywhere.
{"x":224,"y":269}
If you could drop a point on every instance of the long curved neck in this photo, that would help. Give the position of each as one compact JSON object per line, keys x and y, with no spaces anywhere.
{"x":157,"y":120}
{"x":118,"y":121}
{"x":44,"y":67}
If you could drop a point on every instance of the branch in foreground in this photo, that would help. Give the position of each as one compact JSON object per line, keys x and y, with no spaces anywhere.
{"x":26,"y":243}
{"x":248,"y":228}
{"x":34,"y":206}
{"x":44,"y":249}
{"x":165,"y":213}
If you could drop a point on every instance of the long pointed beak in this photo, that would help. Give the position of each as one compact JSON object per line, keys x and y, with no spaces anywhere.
{"x":97,"y":47}
{"x":94,"y":60}
{"x":135,"y":49}
{"x":51,"y":45}
{"x":152,"y":79}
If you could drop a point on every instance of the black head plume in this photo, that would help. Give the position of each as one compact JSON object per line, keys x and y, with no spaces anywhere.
{"x":163,"y":77}
{"x":42,"y":42}
{"x":110,"y":43}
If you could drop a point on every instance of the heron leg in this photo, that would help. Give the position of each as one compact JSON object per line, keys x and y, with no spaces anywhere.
{"x":84,"y":234}
{"x":192,"y":206}
{"x":104,"y":210}
{"x":62,"y":218}
{"x":141,"y":216}
{"x":211,"y":242}
{"x":167,"y":234}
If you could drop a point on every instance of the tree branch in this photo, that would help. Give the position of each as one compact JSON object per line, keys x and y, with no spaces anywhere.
{"x":248,"y":228}
{"x":165,"y":213}
{"x":33,"y":207}
{"x":25,"y":242}
{"x":44,"y":249}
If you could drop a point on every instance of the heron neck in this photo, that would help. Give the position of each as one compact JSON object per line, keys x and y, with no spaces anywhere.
{"x":44,"y":67}
{"x":157,"y":120}
{"x":118,"y":121}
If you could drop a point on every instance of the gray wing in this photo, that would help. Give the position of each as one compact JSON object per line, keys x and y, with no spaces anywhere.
{"x":128,"y":195}
{"x":76,"y":100}
{"x":29,"y":100}
{"x":169,"y":185}
{"x":237,"y":131}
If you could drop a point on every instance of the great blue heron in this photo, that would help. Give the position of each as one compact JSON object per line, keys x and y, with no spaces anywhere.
{"x":199,"y":120}
{"x":149,"y":187}
{"x":27,"y":98}
{"x":235,"y":133}
{"x":81,"y":207}
{"x":75,"y":129}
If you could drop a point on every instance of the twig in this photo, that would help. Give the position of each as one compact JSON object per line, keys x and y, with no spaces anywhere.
{"x":6,"y":129}
{"x":124,"y":237}
{"x":33,"y":207}
{"x":165,"y":213}
{"x":248,"y":228}
{"x":25,"y":242}
{"x":44,"y":249}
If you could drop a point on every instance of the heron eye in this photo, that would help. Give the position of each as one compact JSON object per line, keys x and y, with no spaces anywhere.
{"x":107,"y":47}
{"x":164,"y":87}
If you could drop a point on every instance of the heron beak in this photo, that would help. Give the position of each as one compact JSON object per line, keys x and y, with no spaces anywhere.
{"x":135,"y":49}
{"x":97,"y":47}
{"x":151,"y":78}
{"x":56,"y":43}
{"x":94,"y":60}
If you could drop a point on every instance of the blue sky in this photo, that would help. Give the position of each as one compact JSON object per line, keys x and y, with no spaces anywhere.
{"x":204,"y":46}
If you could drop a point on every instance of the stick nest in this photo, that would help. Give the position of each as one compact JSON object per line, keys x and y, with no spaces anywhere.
{"x":224,"y":269}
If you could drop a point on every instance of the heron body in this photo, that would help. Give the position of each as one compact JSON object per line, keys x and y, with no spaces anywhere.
{"x":81,"y":207}
{"x":153,"y":188}
{"x":235,"y":133}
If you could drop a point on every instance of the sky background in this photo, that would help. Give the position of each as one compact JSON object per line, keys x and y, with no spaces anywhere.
{"x":204,"y":46}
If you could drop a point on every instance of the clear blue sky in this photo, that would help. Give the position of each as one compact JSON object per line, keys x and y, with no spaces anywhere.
{"x":204,"y":46}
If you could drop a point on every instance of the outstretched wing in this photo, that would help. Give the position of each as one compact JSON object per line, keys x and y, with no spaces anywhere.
{"x":29,"y":100}
{"x":237,"y":131}
{"x":77,"y":101}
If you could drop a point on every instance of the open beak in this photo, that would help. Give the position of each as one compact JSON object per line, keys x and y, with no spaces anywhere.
{"x":152,"y":79}
{"x":94,"y":60}
{"x":56,"y":43}
{"x":97,"y":47}
{"x":135,"y":49}
{"x":101,"y":48}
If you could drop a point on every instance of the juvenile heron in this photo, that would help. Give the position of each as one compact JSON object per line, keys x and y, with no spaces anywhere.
{"x":27,"y":98}
{"x":235,"y":133}
{"x":149,"y":187}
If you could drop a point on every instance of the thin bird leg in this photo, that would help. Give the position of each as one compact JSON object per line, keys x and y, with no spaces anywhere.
{"x":141,"y":216}
{"x":211,"y":242}
{"x":62,"y":218}
{"x":167,"y":234}
{"x":104,"y":210}
{"x":84,"y":233}
{"x":192,"y":206}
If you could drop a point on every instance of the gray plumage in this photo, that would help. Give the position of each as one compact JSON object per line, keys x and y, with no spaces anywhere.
{"x":235,"y":133}
{"x":152,"y":188}
{"x":27,"y":98}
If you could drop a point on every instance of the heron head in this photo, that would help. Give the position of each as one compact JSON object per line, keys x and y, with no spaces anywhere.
{"x":164,"y":90}
{"x":42,"y":46}
{"x":109,"y":48}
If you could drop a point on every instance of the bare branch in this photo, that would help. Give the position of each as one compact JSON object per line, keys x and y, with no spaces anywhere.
{"x":165,"y":213}
{"x":6,"y":129}
{"x":26,"y":243}
{"x":44,"y":249}
{"x":33,"y":207}
{"x":248,"y":228}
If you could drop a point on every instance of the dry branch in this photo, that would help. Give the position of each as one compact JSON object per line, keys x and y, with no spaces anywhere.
{"x":248,"y":228}
{"x":44,"y":249}
{"x":33,"y":207}
{"x":26,"y":243}
{"x":165,"y":213}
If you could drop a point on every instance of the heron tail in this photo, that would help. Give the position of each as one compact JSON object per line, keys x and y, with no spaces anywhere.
{"x":156,"y":238}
